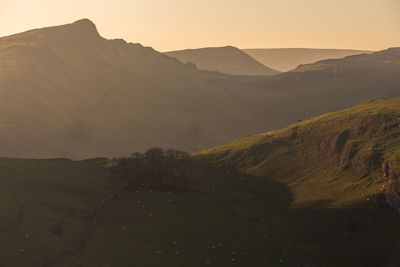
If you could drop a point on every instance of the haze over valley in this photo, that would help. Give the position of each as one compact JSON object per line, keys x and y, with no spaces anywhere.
{"x":146,"y":133}
{"x":109,"y":97}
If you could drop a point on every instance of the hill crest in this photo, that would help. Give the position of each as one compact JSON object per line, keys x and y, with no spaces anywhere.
{"x":227,"y":59}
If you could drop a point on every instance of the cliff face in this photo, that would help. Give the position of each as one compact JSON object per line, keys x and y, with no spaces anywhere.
{"x":352,"y":156}
{"x":363,"y":160}
{"x":353,"y":145}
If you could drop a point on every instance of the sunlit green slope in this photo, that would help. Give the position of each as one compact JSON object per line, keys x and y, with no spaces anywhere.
{"x":324,"y":184}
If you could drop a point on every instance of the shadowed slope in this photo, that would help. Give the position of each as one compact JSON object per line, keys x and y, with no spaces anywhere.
{"x":46,"y":205}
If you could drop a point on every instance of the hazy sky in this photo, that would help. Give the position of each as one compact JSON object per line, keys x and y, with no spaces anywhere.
{"x":178,"y":24}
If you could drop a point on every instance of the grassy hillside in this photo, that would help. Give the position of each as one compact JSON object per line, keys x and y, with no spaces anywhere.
{"x":319,"y":184}
{"x":228,"y":59}
{"x":286,"y":59}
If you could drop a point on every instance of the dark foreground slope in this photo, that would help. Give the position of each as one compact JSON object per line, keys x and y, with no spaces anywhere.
{"x":67,"y":92}
{"x":341,"y":173}
{"x":47,"y":205}
{"x":286,"y":59}
{"x":228,"y":59}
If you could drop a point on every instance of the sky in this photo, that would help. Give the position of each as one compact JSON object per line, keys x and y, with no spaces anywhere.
{"x":169,"y":25}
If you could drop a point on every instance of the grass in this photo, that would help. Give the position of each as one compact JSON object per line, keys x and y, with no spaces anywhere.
{"x":281,"y":181}
{"x":350,"y":235}
{"x":292,"y":156}
{"x":300,"y":196}
{"x":146,"y":229}
{"x":45,"y":206}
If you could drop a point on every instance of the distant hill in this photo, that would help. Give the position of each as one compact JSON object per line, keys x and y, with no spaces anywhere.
{"x":67,"y":92}
{"x":228,"y":60}
{"x":281,"y":99}
{"x":285,"y":59}
{"x":383,"y":60}
{"x":338,"y":174}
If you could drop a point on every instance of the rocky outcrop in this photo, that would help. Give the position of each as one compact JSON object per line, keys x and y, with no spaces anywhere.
{"x":345,"y":156}
{"x":351,"y":144}
{"x":362,"y":164}
{"x":391,"y":188}
{"x":390,"y":170}
{"x":330,"y":145}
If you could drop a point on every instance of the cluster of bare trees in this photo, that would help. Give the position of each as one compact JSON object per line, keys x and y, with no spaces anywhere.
{"x":155,"y":168}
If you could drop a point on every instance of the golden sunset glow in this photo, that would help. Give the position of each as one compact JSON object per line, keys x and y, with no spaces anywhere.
{"x":177,"y":24}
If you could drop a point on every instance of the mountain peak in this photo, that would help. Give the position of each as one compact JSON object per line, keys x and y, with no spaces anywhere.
{"x":85,"y":26}
{"x":85,"y":23}
{"x":225,"y":59}
{"x":83,"y":29}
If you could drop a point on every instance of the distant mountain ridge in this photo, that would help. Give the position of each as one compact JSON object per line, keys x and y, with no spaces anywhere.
{"x":286,"y":59}
{"x":228,"y":60}
{"x":67,"y":92}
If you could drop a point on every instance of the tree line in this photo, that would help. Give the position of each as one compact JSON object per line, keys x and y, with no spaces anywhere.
{"x":155,"y":168}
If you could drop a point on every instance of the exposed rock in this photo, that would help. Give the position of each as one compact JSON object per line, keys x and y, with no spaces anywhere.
{"x":330,"y":145}
{"x":346,"y":155}
{"x":362,"y":164}
{"x":391,"y":189}
{"x":390,"y":170}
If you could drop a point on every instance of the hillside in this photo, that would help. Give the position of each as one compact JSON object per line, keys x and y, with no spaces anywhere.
{"x":383,"y":60}
{"x":324,"y":189}
{"x":286,"y":59}
{"x":279,"y":100}
{"x":47,"y":205}
{"x":338,"y":175}
{"x":67,"y":92}
{"x":228,"y":60}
